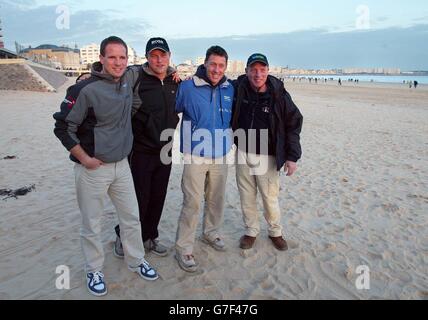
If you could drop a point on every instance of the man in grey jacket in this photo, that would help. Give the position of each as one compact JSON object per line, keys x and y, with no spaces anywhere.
{"x":94,"y":124}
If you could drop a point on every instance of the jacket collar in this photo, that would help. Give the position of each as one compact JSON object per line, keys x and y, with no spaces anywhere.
{"x":97,"y":71}
{"x":200,"y":79}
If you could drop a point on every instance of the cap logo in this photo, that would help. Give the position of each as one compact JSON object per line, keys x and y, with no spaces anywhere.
{"x":157,"y":42}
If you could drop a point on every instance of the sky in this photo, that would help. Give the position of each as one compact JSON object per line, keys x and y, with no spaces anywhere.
{"x":300,"y":34}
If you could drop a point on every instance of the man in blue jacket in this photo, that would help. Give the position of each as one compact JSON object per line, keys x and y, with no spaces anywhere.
{"x":206,"y":141}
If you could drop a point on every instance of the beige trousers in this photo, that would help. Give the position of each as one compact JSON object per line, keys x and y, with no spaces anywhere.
{"x":114,"y":180}
{"x":200,"y":179}
{"x":258,"y":173}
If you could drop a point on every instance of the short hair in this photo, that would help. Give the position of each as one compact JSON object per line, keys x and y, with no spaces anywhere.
{"x":218,"y":51}
{"x":109,"y":40}
{"x":83,"y":76}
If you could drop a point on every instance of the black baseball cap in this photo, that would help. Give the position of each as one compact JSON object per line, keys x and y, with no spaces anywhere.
{"x":257,"y":57}
{"x":157,"y":43}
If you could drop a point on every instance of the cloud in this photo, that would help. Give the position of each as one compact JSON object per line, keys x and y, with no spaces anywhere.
{"x":404,"y":48}
{"x":381,"y":19}
{"x":326,"y":47}
{"x":34,"y":25}
{"x":20,"y":3}
{"x":421,"y":19}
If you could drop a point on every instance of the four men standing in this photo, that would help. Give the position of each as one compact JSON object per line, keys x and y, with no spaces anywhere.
{"x":94,"y":124}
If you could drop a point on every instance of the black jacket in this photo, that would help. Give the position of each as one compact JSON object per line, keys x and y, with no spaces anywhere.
{"x":153,"y":110}
{"x":285,"y":119}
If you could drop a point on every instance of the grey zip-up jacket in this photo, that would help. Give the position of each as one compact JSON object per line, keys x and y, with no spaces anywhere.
{"x":96,"y":114}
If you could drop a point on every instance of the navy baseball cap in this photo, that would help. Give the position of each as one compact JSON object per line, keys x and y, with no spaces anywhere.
{"x":157,"y":43}
{"x":257,"y":57}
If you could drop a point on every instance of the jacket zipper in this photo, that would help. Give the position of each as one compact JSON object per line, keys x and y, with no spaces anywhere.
{"x":254,"y":112}
{"x":214,"y":109}
{"x":166,"y":104}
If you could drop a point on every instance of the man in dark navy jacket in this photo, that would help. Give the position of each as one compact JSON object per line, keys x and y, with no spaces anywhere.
{"x":271,"y":123}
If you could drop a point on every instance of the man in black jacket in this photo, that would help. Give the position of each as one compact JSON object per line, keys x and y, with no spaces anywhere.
{"x":271,"y":124}
{"x":153,"y":112}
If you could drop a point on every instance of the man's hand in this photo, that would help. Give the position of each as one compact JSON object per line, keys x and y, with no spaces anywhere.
{"x":86,"y":161}
{"x":92,"y":163}
{"x":176,"y":77}
{"x":290,"y":168}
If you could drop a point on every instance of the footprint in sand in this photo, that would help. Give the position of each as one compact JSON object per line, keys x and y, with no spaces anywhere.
{"x":267,"y":284}
{"x":403,"y":276}
{"x":374,"y":255}
{"x":247,"y":253}
{"x":292,"y":244}
{"x":331,"y":247}
{"x":349,"y":274}
{"x":272,"y":261}
{"x":390,"y":207}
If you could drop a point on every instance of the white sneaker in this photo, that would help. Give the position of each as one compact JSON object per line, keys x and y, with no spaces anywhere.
{"x":95,"y":283}
{"x":146,"y":271}
{"x":186,"y":262}
{"x":217,"y":243}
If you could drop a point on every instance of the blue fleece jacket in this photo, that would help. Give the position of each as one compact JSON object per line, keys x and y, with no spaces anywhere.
{"x":207,"y":112}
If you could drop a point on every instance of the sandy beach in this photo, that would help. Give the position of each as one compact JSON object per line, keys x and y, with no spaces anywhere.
{"x":360,"y":197}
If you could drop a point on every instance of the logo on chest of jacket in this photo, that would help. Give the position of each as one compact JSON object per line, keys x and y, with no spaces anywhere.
{"x":227,"y":99}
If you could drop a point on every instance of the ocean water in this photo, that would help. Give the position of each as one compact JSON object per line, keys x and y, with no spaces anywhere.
{"x":371,"y":78}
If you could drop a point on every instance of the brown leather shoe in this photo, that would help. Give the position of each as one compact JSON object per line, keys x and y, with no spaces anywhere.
{"x":279,"y":243}
{"x":246,"y":242}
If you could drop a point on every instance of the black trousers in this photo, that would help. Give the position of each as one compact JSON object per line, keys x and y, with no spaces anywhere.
{"x":151,"y":179}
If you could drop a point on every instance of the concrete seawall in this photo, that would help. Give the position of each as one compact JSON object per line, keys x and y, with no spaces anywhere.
{"x":23,"y":75}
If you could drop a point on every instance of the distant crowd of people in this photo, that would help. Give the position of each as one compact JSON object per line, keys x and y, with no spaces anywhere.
{"x":316,"y":80}
{"x":412,"y":84}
